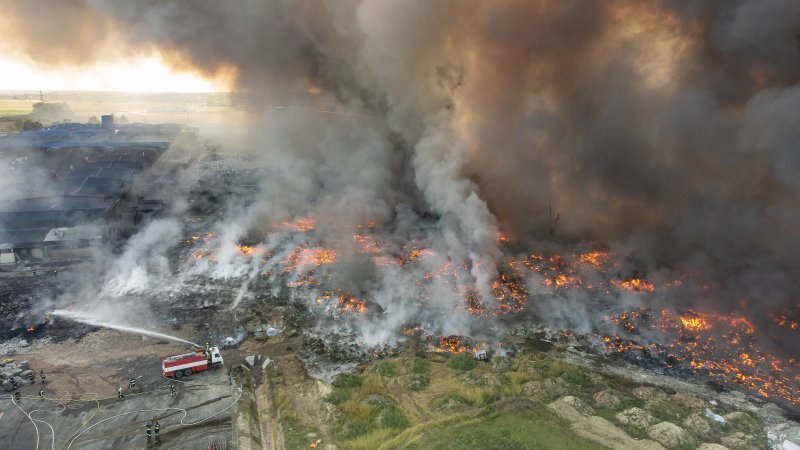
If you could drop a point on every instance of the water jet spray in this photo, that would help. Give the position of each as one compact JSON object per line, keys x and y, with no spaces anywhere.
{"x":88,"y":319}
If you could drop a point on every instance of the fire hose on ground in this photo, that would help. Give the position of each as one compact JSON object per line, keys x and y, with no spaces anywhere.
{"x":67,"y":403}
{"x":185,"y":413}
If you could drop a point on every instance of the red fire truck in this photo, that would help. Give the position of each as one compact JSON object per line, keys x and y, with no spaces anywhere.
{"x":197,"y":361}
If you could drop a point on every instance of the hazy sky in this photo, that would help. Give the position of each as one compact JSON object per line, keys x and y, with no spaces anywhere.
{"x":138,"y":74}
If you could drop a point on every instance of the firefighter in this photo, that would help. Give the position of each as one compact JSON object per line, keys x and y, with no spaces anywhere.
{"x":208,"y":348}
{"x":119,"y":394}
{"x":147,"y":429}
{"x":41,"y":374}
{"x":157,"y":428}
{"x":172,"y":389}
{"x":17,"y":396}
{"x":41,"y":394}
{"x":132,"y":384}
{"x":31,"y":378}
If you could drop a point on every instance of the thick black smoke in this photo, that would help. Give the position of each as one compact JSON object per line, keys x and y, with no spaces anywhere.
{"x":652,"y":125}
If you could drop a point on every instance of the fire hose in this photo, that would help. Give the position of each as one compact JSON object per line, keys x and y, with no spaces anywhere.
{"x":33,"y":421}
{"x":185,"y":413}
{"x":65,"y":401}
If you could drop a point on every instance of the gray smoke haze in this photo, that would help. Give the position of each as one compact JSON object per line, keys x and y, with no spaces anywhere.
{"x":654,"y":126}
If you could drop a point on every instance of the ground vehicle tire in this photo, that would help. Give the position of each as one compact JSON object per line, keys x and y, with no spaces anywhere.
{"x":187,"y":372}
{"x":177,"y":374}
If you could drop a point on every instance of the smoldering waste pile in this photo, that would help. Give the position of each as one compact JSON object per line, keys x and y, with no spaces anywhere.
{"x":439,"y":178}
{"x":638,"y":323}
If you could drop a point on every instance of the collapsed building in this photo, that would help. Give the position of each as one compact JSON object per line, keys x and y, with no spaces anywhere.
{"x":77,"y":186}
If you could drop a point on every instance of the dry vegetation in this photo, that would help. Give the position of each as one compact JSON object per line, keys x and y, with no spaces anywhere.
{"x":456,"y":402}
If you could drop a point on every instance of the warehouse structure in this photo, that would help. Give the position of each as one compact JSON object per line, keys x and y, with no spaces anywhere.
{"x":74,"y":186}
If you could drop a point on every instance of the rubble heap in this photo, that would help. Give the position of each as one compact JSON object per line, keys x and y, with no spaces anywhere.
{"x":13,"y":374}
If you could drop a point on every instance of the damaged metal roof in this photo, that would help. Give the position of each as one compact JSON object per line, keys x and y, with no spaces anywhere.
{"x":69,"y":174}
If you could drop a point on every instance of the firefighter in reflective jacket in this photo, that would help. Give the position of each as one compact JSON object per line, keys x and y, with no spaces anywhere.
{"x":172,"y":389}
{"x":147,"y":429}
{"x":132,"y":384}
{"x":17,"y":396}
{"x":157,"y":428}
{"x":41,"y":394}
{"x":31,"y":377}
{"x":41,"y":374}
{"x":119,"y":394}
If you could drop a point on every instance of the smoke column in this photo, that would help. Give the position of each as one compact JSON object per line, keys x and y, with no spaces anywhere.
{"x":654,"y":126}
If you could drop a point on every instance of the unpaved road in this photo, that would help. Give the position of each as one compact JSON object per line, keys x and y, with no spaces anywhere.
{"x":81,"y":409}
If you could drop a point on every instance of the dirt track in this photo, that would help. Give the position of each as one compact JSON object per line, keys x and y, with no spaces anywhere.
{"x":82,"y":380}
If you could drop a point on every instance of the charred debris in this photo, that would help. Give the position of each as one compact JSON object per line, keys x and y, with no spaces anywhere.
{"x":71,"y":189}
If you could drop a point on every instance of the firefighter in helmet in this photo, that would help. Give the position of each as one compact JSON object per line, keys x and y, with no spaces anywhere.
{"x":132,"y":384}
{"x":41,"y":394}
{"x":31,"y":378}
{"x":172,"y":389}
{"x":147,"y":429}
{"x":17,"y":396}
{"x":157,"y":428}
{"x":119,"y":394}
{"x":41,"y":374}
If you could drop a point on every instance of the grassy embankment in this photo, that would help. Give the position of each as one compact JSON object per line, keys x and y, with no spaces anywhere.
{"x":436,"y":402}
{"x":457,"y":403}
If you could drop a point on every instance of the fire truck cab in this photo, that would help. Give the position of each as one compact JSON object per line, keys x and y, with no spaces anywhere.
{"x":184,"y":365}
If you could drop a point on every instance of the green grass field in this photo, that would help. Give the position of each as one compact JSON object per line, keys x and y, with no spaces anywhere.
{"x":439,"y":402}
{"x":14,"y":112}
{"x":455,"y":408}
{"x":515,"y":426}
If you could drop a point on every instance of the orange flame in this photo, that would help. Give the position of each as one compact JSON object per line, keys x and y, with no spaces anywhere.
{"x":304,"y":257}
{"x":784,"y":321}
{"x":301,"y":224}
{"x":246,"y":250}
{"x":561,"y":281}
{"x":594,"y":259}
{"x":634,"y":285}
{"x":352,"y":304}
{"x":204,"y":254}
{"x":345,"y":302}
{"x":695,"y":323}
{"x":368,"y":244}
{"x":195,"y":238}
{"x":304,"y":280}
{"x":454,"y":345}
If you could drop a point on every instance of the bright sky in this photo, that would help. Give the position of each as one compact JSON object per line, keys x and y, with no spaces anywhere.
{"x":145,"y":74}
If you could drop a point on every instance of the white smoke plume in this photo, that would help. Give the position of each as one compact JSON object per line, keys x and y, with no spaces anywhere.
{"x":144,"y":259}
{"x":660,"y":129}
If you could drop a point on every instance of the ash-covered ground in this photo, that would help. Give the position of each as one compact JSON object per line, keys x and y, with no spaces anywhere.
{"x":184,"y":268}
{"x":178,"y":275}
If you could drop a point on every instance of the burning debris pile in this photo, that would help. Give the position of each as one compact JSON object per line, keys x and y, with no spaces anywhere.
{"x":725,"y":348}
{"x":391,"y":160}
